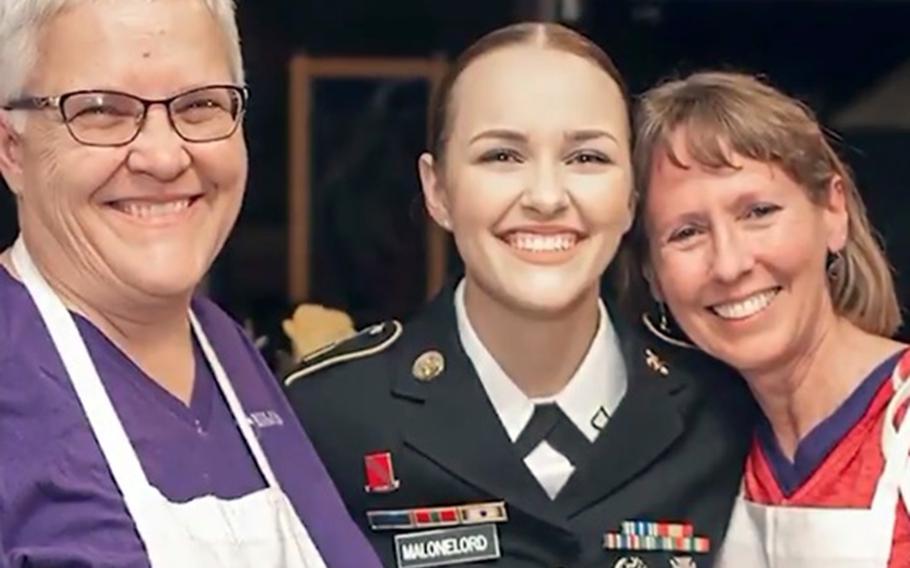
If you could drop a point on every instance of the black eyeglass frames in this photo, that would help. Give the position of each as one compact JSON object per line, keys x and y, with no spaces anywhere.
{"x":114,"y":118}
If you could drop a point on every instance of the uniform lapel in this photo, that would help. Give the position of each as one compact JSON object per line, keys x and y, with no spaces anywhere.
{"x":646,"y":423}
{"x":452,"y":422}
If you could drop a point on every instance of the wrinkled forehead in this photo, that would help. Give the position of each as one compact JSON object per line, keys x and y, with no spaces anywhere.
{"x":112,"y":43}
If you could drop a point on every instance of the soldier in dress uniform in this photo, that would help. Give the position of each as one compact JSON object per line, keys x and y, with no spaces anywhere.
{"x":519,"y":420}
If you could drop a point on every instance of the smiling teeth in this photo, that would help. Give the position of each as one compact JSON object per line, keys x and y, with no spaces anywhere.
{"x":745,"y":308}
{"x":144,"y":210}
{"x":542,"y":243}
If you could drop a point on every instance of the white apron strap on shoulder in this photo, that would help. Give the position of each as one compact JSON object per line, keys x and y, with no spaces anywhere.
{"x":98,"y":409}
{"x":258,"y":529}
{"x":896,"y":440}
{"x":234,"y":404}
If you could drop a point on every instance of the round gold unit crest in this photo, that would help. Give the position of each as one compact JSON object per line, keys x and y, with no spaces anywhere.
{"x":428,"y":366}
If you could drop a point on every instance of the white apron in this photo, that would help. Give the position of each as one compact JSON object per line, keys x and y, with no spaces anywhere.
{"x":763,"y":536}
{"x":260,"y":529}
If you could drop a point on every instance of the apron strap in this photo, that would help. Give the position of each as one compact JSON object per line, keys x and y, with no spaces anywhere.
{"x":233,"y":402}
{"x":96,"y":405}
{"x":890,"y":436}
{"x":106,"y":426}
{"x":895,"y":442}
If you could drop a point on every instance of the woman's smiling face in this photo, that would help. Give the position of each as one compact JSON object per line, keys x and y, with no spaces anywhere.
{"x":143,"y":220}
{"x":536,"y":179}
{"x":738,"y":254}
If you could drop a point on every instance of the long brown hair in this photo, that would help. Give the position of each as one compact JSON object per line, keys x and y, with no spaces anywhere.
{"x":722,"y":112}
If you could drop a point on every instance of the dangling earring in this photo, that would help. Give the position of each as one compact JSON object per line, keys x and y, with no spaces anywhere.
{"x":663,"y":330}
{"x":664,"y":324}
{"x":834,"y":264}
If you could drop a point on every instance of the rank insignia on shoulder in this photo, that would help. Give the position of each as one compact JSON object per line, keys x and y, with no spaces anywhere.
{"x":655,"y":363}
{"x":656,"y":536}
{"x":369,"y":341}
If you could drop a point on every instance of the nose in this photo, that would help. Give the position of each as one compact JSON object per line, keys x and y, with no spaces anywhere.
{"x":733,"y":255}
{"x":158,"y":151}
{"x":545,"y":193}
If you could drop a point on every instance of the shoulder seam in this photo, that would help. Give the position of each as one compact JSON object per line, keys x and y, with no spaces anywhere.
{"x":396,"y":333}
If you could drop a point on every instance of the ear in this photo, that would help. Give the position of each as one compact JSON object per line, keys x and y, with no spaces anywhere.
{"x":647,"y":271}
{"x":10,"y":153}
{"x":836,"y":216}
{"x":633,"y":205}
{"x":647,"y":266}
{"x":434,"y":193}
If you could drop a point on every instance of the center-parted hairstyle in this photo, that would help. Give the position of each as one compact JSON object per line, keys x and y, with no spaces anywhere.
{"x":545,"y":35}
{"x":720,"y":113}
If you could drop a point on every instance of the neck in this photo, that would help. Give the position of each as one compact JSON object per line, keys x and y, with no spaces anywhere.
{"x":540,"y":354}
{"x":154,"y":334}
{"x":798,"y":394}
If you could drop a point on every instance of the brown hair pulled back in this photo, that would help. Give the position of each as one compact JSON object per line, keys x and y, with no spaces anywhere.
{"x":547,"y":35}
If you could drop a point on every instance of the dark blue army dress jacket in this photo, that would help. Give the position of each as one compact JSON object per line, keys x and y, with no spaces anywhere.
{"x":427,"y":470}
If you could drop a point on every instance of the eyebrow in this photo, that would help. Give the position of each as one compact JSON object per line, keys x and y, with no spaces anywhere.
{"x":500,"y":134}
{"x":576,"y":136}
{"x":589,"y":134}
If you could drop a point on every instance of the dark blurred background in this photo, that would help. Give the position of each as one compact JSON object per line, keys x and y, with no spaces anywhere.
{"x":850,"y":60}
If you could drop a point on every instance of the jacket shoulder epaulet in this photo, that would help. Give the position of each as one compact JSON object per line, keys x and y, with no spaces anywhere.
{"x":368,"y":341}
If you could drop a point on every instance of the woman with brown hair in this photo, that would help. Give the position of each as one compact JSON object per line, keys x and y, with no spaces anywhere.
{"x":754,"y":234}
{"x":517,"y":416}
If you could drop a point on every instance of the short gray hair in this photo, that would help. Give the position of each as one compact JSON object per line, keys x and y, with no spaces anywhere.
{"x":21,"y":22}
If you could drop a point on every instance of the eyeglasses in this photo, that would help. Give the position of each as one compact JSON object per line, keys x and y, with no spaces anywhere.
{"x":112,"y":118}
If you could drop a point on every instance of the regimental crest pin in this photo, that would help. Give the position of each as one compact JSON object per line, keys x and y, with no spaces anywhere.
{"x":683,"y":562}
{"x":655,"y":363}
{"x":380,"y":473}
{"x":630,"y":562}
{"x":428,"y":366}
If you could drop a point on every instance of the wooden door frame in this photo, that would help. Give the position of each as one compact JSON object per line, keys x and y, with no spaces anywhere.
{"x":304,"y":69}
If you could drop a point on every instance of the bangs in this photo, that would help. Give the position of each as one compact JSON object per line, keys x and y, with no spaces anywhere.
{"x":716,"y":118}
{"x":711,"y":132}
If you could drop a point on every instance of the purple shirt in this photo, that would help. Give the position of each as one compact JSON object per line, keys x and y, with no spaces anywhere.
{"x":59,"y":505}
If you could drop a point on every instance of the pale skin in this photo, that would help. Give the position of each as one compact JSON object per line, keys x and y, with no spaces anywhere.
{"x":719,"y":238}
{"x":538,"y":152}
{"x":551,"y":349}
{"x":131,"y":275}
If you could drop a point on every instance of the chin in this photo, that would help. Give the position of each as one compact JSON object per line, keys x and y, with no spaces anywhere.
{"x":746,"y":356}
{"x":544,"y":300}
{"x":172,"y":281}
{"x":163,"y":286}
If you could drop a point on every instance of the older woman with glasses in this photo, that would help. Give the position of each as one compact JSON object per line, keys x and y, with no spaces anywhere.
{"x":138,"y":426}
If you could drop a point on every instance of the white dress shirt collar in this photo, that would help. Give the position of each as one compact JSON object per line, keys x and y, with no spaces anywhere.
{"x":588,"y":399}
